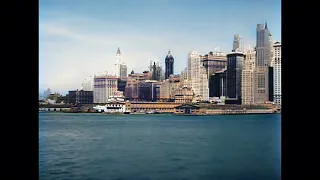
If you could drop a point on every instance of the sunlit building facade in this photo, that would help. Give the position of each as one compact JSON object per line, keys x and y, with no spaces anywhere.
{"x":198,"y":76}
{"x":248,"y":78}
{"x":104,"y":87}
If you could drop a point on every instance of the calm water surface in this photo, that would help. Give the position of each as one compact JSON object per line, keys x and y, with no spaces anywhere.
{"x":164,"y":147}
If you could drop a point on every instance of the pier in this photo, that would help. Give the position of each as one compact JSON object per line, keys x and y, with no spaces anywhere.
{"x":54,"y":107}
{"x":169,"y":107}
{"x":208,"y":109}
{"x":163,"y":107}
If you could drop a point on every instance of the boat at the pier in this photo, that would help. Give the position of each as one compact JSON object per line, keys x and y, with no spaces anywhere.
{"x":153,"y":112}
{"x":116,"y":104}
{"x":139,"y":112}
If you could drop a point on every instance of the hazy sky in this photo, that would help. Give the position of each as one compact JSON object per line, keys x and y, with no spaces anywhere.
{"x":79,"y":38}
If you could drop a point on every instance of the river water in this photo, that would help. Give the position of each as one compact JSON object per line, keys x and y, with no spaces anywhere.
{"x":161,"y":147}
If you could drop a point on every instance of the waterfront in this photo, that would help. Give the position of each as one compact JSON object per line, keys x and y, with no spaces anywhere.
{"x":101,"y":147}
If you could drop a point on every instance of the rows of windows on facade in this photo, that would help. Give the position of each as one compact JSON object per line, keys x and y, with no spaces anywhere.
{"x":246,"y":75}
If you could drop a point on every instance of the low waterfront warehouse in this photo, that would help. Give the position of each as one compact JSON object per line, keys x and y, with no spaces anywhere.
{"x":80,"y":97}
{"x":188,"y":109}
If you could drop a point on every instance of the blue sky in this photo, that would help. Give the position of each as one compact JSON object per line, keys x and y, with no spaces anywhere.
{"x":79,"y":38}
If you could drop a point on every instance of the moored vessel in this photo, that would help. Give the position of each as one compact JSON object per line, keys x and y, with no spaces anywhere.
{"x":115,"y":105}
{"x":153,"y":112}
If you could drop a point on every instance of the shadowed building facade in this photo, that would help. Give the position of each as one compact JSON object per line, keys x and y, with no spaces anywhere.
{"x":270,"y":83}
{"x":234,"y":76}
{"x":122,"y":82}
{"x":217,"y":84}
{"x":148,"y":91}
{"x":169,"y":60}
{"x":156,"y":71}
{"x":80,"y":97}
{"x":263,"y":61}
{"x":214,"y":62}
{"x":132,"y":85}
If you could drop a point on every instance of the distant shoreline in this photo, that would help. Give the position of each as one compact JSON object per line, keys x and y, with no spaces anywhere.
{"x":120,"y":114}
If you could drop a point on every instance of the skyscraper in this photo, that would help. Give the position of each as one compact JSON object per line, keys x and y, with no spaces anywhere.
{"x":156,"y":71}
{"x":104,"y":87}
{"x":123,"y":70}
{"x":184,"y":73}
{"x":169,"y":60}
{"x":237,"y":43}
{"x":234,"y":75}
{"x":277,"y":73}
{"x":121,"y":67}
{"x":263,"y":46}
{"x":217,"y":84}
{"x":87,"y":84}
{"x":198,"y":76}
{"x":263,"y":60}
{"x":270,"y":84}
{"x":47,"y":93}
{"x":119,"y":59}
{"x":213,"y":62}
{"x":248,"y":78}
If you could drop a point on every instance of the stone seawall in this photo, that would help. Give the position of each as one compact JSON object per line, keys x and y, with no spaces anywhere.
{"x":229,"y":111}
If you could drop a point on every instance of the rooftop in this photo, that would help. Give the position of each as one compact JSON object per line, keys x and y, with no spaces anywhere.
{"x":150,"y":81}
{"x":169,"y":56}
{"x":118,"y":51}
{"x":236,"y":52}
{"x":277,"y":43}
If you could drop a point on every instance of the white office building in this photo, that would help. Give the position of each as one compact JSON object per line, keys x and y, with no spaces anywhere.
{"x":248,"y":78}
{"x":277,"y":73}
{"x":104,"y":86}
{"x":198,"y":76}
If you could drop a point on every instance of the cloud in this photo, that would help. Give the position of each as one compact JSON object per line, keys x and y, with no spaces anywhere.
{"x":70,"y":52}
{"x":68,"y":55}
{"x":79,"y":40}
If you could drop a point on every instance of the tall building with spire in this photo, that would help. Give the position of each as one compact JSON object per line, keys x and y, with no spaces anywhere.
{"x":237,"y":43}
{"x":156,"y":71}
{"x":262,"y":63}
{"x":169,"y":60}
{"x":121,"y":67}
{"x":263,"y":46}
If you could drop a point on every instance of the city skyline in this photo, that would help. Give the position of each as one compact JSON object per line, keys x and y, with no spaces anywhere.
{"x":80,"y":38}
